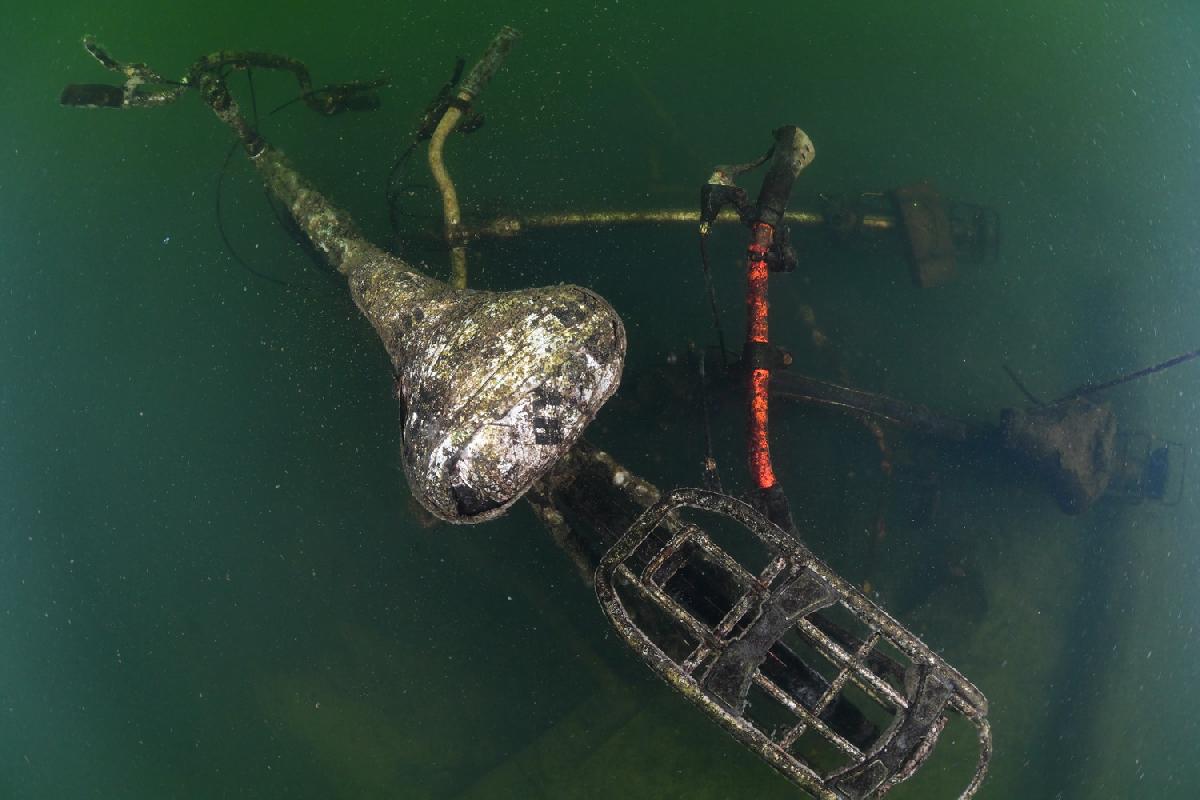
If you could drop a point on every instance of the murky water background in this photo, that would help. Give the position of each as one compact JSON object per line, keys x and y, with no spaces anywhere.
{"x":211,"y":581}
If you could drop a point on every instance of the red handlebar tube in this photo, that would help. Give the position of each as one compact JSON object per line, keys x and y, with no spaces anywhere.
{"x":756,"y":338}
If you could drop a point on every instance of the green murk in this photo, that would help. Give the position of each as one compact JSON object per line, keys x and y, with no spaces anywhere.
{"x":203,"y":515}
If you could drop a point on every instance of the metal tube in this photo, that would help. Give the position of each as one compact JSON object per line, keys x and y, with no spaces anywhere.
{"x":479,"y":76}
{"x":794,"y":386}
{"x":514,"y":225}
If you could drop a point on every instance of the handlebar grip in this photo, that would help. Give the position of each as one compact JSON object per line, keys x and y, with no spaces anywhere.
{"x":793,"y":152}
{"x":490,"y":63}
{"x":92,"y":95}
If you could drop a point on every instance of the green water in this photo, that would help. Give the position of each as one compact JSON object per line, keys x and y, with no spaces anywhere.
{"x":212,"y":581}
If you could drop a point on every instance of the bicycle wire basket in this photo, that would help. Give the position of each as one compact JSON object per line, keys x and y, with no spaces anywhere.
{"x":788,"y":654}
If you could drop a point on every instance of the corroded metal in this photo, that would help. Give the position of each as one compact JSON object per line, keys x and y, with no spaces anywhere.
{"x":586,"y":498}
{"x":786,"y":598}
{"x":494,"y":387}
{"x":507,"y":226}
{"x":1149,"y":467}
{"x":794,"y":386}
{"x":480,"y":75}
{"x":1071,"y":442}
{"x":927,"y":229}
{"x":144,"y":87}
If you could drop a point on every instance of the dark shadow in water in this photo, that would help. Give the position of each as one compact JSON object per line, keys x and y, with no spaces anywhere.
{"x":1078,"y":685}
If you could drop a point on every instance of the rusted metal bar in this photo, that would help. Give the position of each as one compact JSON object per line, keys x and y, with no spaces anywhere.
{"x":1093,"y":388}
{"x":794,"y":386}
{"x":478,"y":78}
{"x":1071,"y":443}
{"x":514,"y":225}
